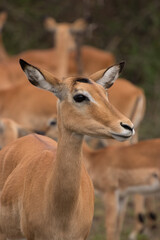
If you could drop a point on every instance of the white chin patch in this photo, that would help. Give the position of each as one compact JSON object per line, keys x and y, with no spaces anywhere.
{"x":120,"y":138}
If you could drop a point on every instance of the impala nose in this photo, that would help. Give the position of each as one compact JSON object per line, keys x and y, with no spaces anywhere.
{"x":127,"y":127}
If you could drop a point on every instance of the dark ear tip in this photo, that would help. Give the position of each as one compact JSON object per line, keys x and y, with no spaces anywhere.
{"x":121,"y":65}
{"x":23,"y":63}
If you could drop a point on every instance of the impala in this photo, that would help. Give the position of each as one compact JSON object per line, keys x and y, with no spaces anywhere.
{"x":92,"y":59}
{"x":57,"y":60}
{"x":130,"y":99}
{"x":45,"y":189}
{"x":103,"y":165}
{"x":32,"y":108}
{"x":10,"y":131}
{"x":120,"y":171}
{"x":146,"y":216}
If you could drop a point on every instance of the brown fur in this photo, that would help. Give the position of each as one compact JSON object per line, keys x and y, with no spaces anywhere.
{"x":10,"y":131}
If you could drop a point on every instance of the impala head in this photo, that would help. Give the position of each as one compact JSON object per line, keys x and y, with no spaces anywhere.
{"x":66,"y":30}
{"x":3,"y":18}
{"x":83,"y":105}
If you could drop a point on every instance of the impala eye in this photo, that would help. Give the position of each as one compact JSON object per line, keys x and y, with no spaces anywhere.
{"x":80,"y":98}
{"x":52,"y":122}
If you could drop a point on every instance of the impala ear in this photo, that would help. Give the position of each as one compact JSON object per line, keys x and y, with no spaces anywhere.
{"x":50,"y":24}
{"x":106,"y":78}
{"x":3,"y":18}
{"x":79,"y":26}
{"x":42,"y":79}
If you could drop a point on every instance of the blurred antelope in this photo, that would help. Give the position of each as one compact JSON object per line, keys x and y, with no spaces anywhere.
{"x":58,"y":60}
{"x":32,"y":108}
{"x":145,"y":216}
{"x":120,"y":171}
{"x":92,"y":59}
{"x":10,"y":131}
{"x":45,"y":188}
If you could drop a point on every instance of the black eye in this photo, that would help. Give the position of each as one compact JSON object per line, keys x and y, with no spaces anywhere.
{"x":80,"y":98}
{"x":53,"y":123}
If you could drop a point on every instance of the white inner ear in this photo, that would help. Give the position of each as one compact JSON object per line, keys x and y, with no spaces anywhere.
{"x":109,"y":76}
{"x":36,"y":76}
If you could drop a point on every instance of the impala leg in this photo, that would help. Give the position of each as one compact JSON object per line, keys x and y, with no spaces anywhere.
{"x":151,"y":212}
{"x":122,"y":211}
{"x":151,"y":216}
{"x":139,"y":208}
{"x":2,"y":237}
{"x":111,"y":204}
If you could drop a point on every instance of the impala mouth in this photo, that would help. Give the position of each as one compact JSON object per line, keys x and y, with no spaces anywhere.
{"x":121,"y":137}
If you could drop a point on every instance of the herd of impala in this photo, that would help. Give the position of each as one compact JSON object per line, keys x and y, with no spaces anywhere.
{"x":46,"y":189}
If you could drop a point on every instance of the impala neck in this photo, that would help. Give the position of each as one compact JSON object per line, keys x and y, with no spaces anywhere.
{"x":67,"y":172}
{"x":3,"y":54}
{"x":62,"y":54}
{"x":88,"y":155}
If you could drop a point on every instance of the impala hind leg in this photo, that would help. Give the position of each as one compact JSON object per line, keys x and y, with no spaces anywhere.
{"x":122,"y":211}
{"x":151,"y":212}
{"x":111,"y":205}
{"x":139,"y":208}
{"x":151,"y":217}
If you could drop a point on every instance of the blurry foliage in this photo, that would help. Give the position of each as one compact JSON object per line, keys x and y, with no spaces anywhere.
{"x":130,"y":29}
